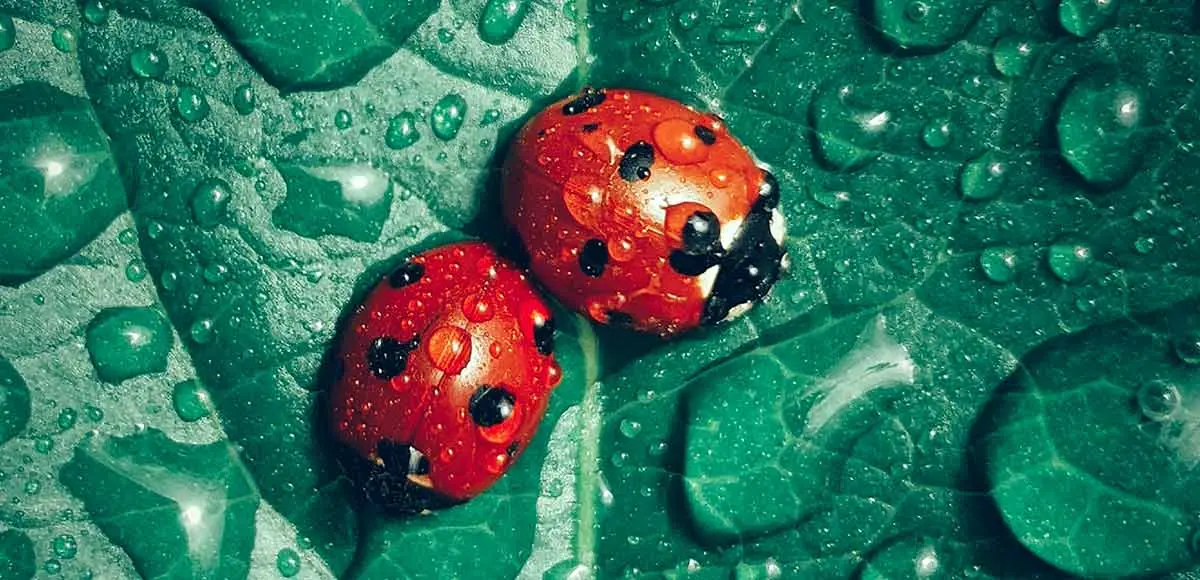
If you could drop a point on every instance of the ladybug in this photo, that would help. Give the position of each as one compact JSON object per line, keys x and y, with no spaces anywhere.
{"x":445,"y":372}
{"x":642,"y":212}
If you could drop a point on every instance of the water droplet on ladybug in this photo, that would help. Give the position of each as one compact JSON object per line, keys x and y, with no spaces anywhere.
{"x":478,"y":309}
{"x":677,"y":141}
{"x":497,"y":463}
{"x":401,"y":383}
{"x":720,"y":177}
{"x":446,"y":455}
{"x":553,"y":375}
{"x":415,"y":305}
{"x":584,"y":199}
{"x":495,"y":350}
{"x":622,"y":250}
{"x":449,"y":348}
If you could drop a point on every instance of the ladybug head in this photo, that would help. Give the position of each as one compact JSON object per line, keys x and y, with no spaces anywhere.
{"x":737,"y":262}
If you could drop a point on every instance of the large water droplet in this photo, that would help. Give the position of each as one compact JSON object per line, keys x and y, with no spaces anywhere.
{"x":1099,"y":130}
{"x":14,"y":402}
{"x":998,"y":264}
{"x":500,"y":20}
{"x":1158,"y":400}
{"x":1069,"y":262}
{"x":1085,"y":17}
{"x":849,"y":132}
{"x":125,"y":342}
{"x":925,"y":24}
{"x":8,"y":32}
{"x":1013,"y":56}
{"x":190,"y":401}
{"x":96,"y":12}
{"x":449,"y":348}
{"x":447,"y":116}
{"x":209,"y":202}
{"x":63,"y":38}
{"x":287,"y":561}
{"x":352,"y":201}
{"x":191,"y":104}
{"x":148,"y":63}
{"x":402,"y":131}
{"x":983,"y":177}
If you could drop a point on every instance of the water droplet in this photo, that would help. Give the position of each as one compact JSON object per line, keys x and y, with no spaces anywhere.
{"x":998,"y":264}
{"x":287,"y":561}
{"x":52,"y":567}
{"x":211,"y":67}
{"x":1158,"y":400}
{"x":190,"y":401}
{"x":342,"y":120}
{"x":687,"y":20}
{"x":244,"y":99}
{"x":209,"y":202}
{"x":445,"y":35}
{"x":8,"y":32}
{"x":677,"y":141}
{"x":63,"y":38}
{"x":202,"y":331}
{"x":501,"y":19}
{"x":215,"y":273}
{"x":630,"y":428}
{"x":984,"y":177}
{"x":126,"y":342}
{"x":1099,"y":130}
{"x":1013,"y":56}
{"x":925,"y":23}
{"x":64,"y":546}
{"x":135,"y":270}
{"x":66,"y":418}
{"x":1085,"y":17}
{"x":32,"y":487}
{"x":1187,"y":348}
{"x":43,"y":445}
{"x":1144,"y":245}
{"x":402,"y":131}
{"x":191,"y":104}
{"x":449,"y":348}
{"x":94,"y":414}
{"x":447,"y":116}
{"x":619,"y":459}
{"x":490,"y":116}
{"x":96,"y":12}
{"x":1069,"y":262}
{"x":478,"y":308}
{"x":148,"y":63}
{"x":936,"y":133}
{"x":850,"y":132}
{"x":127,"y":237}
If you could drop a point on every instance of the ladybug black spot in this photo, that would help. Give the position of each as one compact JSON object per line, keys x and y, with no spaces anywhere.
{"x":706,"y":135}
{"x":543,"y":336}
{"x":388,"y":357}
{"x":593,"y":257}
{"x":513,"y":448}
{"x":636,"y":162}
{"x":490,"y":406}
{"x":768,"y":192}
{"x":407,"y":273}
{"x":690,"y":264}
{"x":591,"y":127}
{"x":701,"y":232}
{"x":587,"y":99}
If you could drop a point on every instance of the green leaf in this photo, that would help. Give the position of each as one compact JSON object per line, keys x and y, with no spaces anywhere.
{"x":980,"y":362}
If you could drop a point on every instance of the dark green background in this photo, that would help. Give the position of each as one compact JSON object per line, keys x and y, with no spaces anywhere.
{"x":983,"y":362}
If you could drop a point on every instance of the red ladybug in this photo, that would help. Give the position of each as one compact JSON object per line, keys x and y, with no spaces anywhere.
{"x":447,"y":368}
{"x":640,"y":211}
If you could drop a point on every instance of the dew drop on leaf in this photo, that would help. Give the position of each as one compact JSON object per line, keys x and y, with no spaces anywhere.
{"x":125,"y":342}
{"x":998,"y":264}
{"x":201,"y":331}
{"x":1187,"y":348}
{"x":148,"y":63}
{"x":210,"y":199}
{"x":96,"y":12}
{"x":983,"y":177}
{"x":1086,"y":17}
{"x":501,"y":19}
{"x":402,"y":131}
{"x":447,"y":115}
{"x":287,"y":561}
{"x":630,"y":428}
{"x":244,"y":99}
{"x":66,"y":418}
{"x":64,"y":546}
{"x":1013,"y":56}
{"x":1069,"y":262}
{"x":14,"y":402}
{"x":936,"y":134}
{"x":191,"y":104}
{"x":135,"y":270}
{"x":342,"y":120}
{"x":1100,"y":130}
{"x":8,"y":32}
{"x":63,"y":38}
{"x":850,"y":132}
{"x":1158,"y":400}
{"x":1144,"y":245}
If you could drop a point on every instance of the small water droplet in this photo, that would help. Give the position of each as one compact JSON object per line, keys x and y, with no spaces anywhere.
{"x":191,"y":104}
{"x":500,"y":20}
{"x":211,"y":67}
{"x":1158,"y":400}
{"x":850,"y":132}
{"x":63,"y":38}
{"x":209,"y":202}
{"x":66,"y":418}
{"x":1144,"y":245}
{"x":402,"y":131}
{"x":201,"y":331}
{"x":43,"y":445}
{"x":490,"y":116}
{"x":215,"y":273}
{"x":343,"y":120}
{"x":52,"y":567}
{"x":1187,"y":348}
{"x":125,"y":342}
{"x":630,"y":428}
{"x":148,"y":63}
{"x":127,"y":236}
{"x":984,"y":177}
{"x":1069,"y":262}
{"x":936,"y":134}
{"x":1013,"y":56}
{"x":287,"y":561}
{"x":96,"y":12}
{"x":94,"y":414}
{"x":446,"y":117}
{"x":190,"y":401}
{"x":998,"y":264}
{"x":64,"y":546}
{"x":244,"y":99}
{"x":445,"y":35}
{"x":687,"y":19}
{"x":1086,"y":17}
{"x":925,"y":23}
{"x":135,"y":270}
